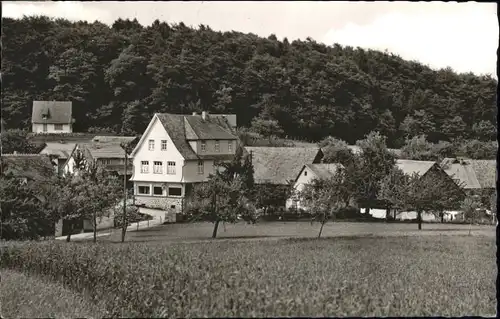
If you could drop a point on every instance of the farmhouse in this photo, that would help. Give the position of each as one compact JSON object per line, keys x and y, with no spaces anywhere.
{"x":177,"y":151}
{"x":280,"y":165}
{"x":107,"y":151}
{"x":425,"y":169}
{"x":306,"y":175}
{"x":475,"y":175}
{"x":62,"y":150}
{"x":52,"y":117}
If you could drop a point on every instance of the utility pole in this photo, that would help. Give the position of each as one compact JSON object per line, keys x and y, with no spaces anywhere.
{"x":125,"y":147}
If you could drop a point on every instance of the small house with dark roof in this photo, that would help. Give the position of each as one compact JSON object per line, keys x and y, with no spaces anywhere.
{"x":280,"y":165}
{"x":61,"y":150}
{"x":52,"y":117}
{"x":107,"y":151}
{"x":177,"y":151}
{"x":307,"y":174}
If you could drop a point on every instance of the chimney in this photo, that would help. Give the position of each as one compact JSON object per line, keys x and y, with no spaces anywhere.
{"x":15,"y":153}
{"x":204,"y":115}
{"x":194,"y":114}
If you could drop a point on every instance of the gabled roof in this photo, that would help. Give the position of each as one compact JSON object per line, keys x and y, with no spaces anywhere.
{"x":31,"y":166}
{"x":410,"y":167}
{"x":182,"y":128}
{"x":280,"y":165}
{"x":56,"y":112}
{"x":109,"y":149}
{"x":473,"y":174}
{"x":62,"y":150}
{"x":175,"y":127}
{"x":321,"y":170}
{"x":212,"y":128}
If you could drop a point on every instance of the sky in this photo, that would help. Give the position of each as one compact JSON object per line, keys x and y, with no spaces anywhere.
{"x":463,"y":36}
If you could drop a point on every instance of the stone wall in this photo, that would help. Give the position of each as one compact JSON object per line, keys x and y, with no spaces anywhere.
{"x":162,"y":203}
{"x":163,"y":215}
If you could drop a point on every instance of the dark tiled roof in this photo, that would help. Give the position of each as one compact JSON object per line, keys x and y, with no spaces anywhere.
{"x":174,"y":125}
{"x":110,"y":149}
{"x":58,"y":112}
{"x":212,"y":128}
{"x":181,"y":127}
{"x":474,"y":174}
{"x":32,"y":166}
{"x":280,"y":165}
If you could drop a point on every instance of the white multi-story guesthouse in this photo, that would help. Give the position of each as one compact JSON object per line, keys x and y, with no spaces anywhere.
{"x":177,"y":151}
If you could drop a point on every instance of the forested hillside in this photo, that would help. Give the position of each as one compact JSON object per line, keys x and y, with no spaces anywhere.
{"x":118,"y":76}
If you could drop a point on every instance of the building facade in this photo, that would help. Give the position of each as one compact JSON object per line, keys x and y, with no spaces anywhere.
{"x":52,"y":117}
{"x":176,"y":152}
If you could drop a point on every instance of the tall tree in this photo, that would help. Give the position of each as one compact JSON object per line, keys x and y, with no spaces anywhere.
{"x":375,"y":162}
{"x":221,"y":200}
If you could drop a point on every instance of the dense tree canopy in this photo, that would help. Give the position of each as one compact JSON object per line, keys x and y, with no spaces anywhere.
{"x":118,"y":76}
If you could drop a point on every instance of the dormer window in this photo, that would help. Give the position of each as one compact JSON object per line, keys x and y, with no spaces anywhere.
{"x":45,"y":115}
{"x":203,"y":146}
{"x":217,"y":146}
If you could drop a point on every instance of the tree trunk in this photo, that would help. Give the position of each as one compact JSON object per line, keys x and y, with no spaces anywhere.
{"x":419,"y":219}
{"x":214,"y":233}
{"x":70,"y":226}
{"x":321,"y":229}
{"x":442,"y":217}
{"x":367,"y":211}
{"x":387,"y":214}
{"x":124,"y":219}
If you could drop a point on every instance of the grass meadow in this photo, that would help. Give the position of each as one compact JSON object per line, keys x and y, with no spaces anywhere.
{"x":202,"y":231}
{"x":355,"y":276}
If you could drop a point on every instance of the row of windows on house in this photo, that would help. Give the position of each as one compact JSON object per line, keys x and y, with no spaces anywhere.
{"x":158,"y":191}
{"x":57,"y":127}
{"x":163,"y":145}
{"x":158,"y":167}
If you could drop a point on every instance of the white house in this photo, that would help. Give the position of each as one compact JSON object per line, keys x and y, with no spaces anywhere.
{"x":175,"y":152}
{"x":307,"y":174}
{"x":52,"y":117}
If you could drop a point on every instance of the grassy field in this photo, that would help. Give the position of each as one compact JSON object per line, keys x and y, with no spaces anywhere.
{"x":23,"y":296}
{"x":301,"y":229}
{"x":392,"y":276}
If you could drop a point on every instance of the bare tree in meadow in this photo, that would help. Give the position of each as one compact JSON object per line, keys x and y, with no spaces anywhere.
{"x":325,"y":197}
